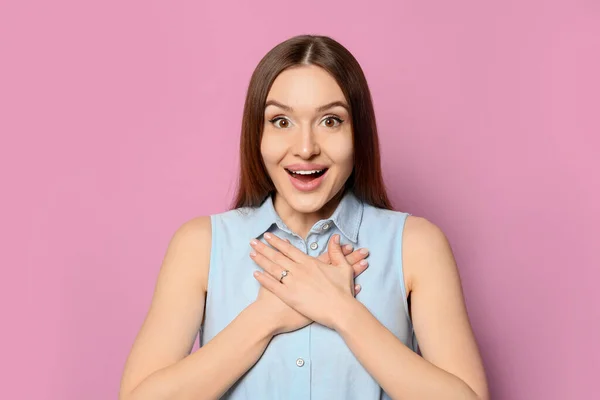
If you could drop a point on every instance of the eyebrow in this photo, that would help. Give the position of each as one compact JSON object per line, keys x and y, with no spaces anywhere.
{"x":319,"y":109}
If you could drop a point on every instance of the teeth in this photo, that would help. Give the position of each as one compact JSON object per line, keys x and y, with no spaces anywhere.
{"x":307,"y":172}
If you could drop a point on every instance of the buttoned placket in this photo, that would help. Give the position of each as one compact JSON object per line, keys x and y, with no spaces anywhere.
{"x":300,"y":357}
{"x":314,"y":245}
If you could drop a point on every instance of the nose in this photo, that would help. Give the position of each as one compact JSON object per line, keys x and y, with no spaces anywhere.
{"x":306,"y":145}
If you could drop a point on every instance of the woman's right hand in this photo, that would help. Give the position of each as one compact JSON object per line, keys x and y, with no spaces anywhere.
{"x":284,"y":318}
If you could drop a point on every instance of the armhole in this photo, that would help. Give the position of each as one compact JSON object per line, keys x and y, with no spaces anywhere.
{"x":414,"y":345}
{"x":402,"y":280}
{"x":211,"y":263}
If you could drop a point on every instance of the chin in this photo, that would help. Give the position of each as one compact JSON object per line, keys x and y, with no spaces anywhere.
{"x":310,"y":202}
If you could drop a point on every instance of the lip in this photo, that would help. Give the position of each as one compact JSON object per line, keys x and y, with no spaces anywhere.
{"x":307,"y":186}
{"x":305,"y":167}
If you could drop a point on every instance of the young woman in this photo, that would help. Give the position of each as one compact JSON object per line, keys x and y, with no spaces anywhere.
{"x":285,"y":308}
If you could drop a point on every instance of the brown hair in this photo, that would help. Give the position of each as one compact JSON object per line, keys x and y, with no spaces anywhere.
{"x":365,"y":181}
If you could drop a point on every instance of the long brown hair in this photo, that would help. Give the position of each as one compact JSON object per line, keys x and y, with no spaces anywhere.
{"x":365,"y":181}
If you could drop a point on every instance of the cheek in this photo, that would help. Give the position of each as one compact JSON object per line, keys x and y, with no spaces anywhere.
{"x":341,"y":152}
{"x":272,"y":149}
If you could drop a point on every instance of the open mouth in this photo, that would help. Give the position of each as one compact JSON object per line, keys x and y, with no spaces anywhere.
{"x":307,"y":176}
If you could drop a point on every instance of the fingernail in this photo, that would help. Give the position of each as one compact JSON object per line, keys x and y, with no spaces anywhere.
{"x":364,"y":263}
{"x":268,"y":235}
{"x":336,"y":239}
{"x":348,"y":247}
{"x":252,"y":254}
{"x":253,"y":242}
{"x":364,"y":251}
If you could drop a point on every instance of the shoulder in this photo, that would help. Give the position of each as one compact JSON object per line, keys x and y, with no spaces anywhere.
{"x":377,"y":214}
{"x":424,"y":234}
{"x":419,"y":233}
{"x":189,"y":249}
{"x":239,"y":223}
{"x":194,"y":237}
{"x":236,"y":215}
{"x":427,"y":251}
{"x":193,"y":232}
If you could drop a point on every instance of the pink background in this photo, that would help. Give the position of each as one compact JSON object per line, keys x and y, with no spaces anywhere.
{"x":120,"y":121}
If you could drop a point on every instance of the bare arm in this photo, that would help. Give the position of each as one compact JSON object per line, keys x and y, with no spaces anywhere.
{"x":159,"y":365}
{"x":451,"y":367}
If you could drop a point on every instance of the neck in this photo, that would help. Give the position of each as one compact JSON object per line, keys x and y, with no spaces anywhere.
{"x":300,"y":223}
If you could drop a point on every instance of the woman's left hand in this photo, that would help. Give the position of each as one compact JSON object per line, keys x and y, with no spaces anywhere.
{"x":311,"y":287}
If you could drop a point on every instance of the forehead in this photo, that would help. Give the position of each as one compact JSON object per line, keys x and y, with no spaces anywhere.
{"x":306,"y":85}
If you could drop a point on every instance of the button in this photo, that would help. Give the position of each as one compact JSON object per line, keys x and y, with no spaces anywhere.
{"x":325,"y":227}
{"x":300,"y":362}
{"x":314,"y":245}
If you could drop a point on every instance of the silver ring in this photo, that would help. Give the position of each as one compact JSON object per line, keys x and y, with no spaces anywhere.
{"x":284,"y":273}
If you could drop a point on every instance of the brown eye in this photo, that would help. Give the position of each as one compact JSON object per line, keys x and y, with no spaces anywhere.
{"x":280,"y":122}
{"x":332,"y":122}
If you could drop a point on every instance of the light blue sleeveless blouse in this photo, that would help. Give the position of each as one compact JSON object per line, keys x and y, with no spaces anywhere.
{"x":313,"y":362}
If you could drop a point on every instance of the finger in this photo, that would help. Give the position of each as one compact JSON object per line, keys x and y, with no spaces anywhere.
{"x":347,"y":249}
{"x":272,"y":254}
{"x":269,"y":266}
{"x":357,"y":289}
{"x":271,"y":284}
{"x":285,"y":248}
{"x":335,"y":251}
{"x":357,"y":255}
{"x":360,"y":267}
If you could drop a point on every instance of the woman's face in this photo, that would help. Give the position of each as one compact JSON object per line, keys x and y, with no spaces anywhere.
{"x":307,"y":143}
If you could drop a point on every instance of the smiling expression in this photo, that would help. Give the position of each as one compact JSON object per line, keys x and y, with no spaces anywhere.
{"x":307,"y":141}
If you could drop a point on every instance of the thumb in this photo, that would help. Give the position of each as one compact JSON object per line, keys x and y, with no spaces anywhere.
{"x":334,"y":249}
